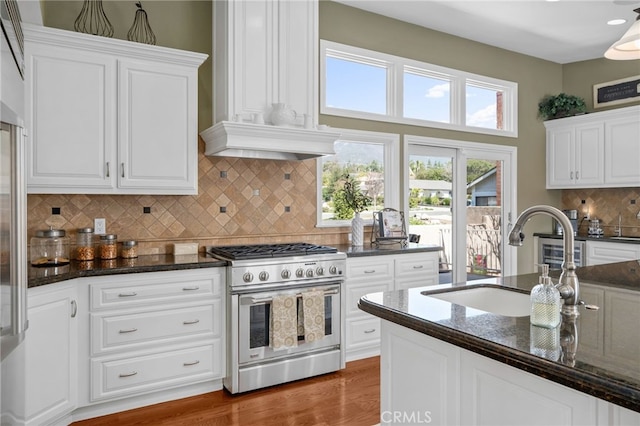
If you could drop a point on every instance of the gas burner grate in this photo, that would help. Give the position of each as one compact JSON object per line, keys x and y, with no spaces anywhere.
{"x":261,"y":251}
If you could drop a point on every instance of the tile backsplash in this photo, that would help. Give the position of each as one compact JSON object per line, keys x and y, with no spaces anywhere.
{"x":606,"y":204}
{"x":239,"y":201}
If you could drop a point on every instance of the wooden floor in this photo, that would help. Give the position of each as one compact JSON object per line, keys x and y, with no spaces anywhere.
{"x":347,"y":397}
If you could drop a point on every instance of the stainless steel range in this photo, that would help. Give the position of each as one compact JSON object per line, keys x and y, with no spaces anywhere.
{"x":255,"y":276}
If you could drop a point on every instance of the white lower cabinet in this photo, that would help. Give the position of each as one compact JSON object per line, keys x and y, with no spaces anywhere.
{"x":427,"y":381}
{"x":154,"y":331}
{"x":601,"y":252}
{"x":373,"y":274}
{"x":40,"y":376}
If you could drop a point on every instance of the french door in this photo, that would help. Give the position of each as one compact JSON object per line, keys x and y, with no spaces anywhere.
{"x":461,"y":195}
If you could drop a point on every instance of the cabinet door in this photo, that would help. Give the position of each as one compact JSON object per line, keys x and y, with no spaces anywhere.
{"x":71,"y":118}
{"x":51,"y":373}
{"x":622,"y":157}
{"x":560,"y":157}
{"x":157,"y":148}
{"x":589,"y":154}
{"x":602,"y":252}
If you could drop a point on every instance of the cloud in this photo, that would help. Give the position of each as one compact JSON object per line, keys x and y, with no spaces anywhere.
{"x":437,"y":91}
{"x":486,"y":117}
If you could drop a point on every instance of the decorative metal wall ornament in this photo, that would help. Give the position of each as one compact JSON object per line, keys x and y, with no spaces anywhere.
{"x":141,"y":30}
{"x":93,"y":20}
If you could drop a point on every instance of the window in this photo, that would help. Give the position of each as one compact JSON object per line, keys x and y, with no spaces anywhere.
{"x":366,"y":84}
{"x":367,"y":158}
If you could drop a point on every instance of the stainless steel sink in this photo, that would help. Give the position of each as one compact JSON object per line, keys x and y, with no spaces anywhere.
{"x":493,"y":299}
{"x":625,"y":238}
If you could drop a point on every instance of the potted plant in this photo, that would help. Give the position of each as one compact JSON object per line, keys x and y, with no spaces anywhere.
{"x":350,"y":200}
{"x":562,"y":105}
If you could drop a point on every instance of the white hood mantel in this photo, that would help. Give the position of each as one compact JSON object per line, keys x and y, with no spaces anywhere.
{"x":264,"y":141}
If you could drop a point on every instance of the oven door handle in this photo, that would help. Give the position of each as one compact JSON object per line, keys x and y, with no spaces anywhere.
{"x":258,"y":300}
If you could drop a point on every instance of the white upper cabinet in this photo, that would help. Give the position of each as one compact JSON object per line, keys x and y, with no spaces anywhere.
{"x":109,"y":116}
{"x":596,"y":150}
{"x":266,"y":52}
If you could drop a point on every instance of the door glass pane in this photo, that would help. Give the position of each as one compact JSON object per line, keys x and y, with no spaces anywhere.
{"x":484,"y":212}
{"x":355,"y":86}
{"x":484,"y":107}
{"x":430,"y":214}
{"x":426,"y":97}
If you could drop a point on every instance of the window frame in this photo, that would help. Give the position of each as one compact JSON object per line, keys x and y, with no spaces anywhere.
{"x":396,"y":67}
{"x":391,"y":158}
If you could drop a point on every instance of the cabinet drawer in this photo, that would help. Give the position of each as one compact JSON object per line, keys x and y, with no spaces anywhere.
{"x":356,"y":291}
{"x":361,"y":332}
{"x":417,"y":264}
{"x":112,"y":332}
{"x":154,"y":287}
{"x":373,"y":268}
{"x":117,"y":378}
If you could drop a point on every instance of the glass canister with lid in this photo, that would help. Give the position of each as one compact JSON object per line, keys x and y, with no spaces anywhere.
{"x":49,"y":247}
{"x":85,"y":249}
{"x":108,"y":246}
{"x":129,"y":249}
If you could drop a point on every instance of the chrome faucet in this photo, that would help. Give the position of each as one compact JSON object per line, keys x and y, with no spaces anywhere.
{"x":618,"y":229}
{"x":568,"y":285}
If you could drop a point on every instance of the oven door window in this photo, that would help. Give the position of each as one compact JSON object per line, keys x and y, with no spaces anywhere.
{"x":254,"y":322}
{"x":260,"y":320}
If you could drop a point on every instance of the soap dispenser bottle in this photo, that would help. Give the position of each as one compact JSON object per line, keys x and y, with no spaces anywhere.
{"x":545,"y":302}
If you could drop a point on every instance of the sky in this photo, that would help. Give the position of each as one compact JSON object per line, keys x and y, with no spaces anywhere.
{"x":361,"y":87}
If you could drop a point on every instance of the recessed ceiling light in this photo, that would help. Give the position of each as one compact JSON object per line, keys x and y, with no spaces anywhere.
{"x":616,"y":22}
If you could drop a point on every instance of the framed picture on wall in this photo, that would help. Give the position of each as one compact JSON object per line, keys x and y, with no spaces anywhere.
{"x":616,"y":92}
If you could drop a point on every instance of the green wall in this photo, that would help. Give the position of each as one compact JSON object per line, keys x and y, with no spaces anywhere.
{"x":187,"y":25}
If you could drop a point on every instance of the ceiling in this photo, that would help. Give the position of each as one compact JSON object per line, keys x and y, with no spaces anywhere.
{"x":561,"y":31}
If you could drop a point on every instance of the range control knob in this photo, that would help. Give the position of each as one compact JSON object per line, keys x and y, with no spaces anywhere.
{"x":285,"y":274}
{"x":333,"y":270}
{"x":310,"y":273}
{"x":299,"y":272}
{"x":247,"y":277}
{"x":263,"y":276}
{"x":320,"y":271}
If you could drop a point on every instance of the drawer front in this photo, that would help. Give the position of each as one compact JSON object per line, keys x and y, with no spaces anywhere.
{"x":363,"y":332}
{"x":155,"y":287}
{"x":356,"y":291}
{"x":417,"y":264}
{"x":117,"y":378}
{"x":115,"y":332}
{"x":373,"y":268}
{"x":416,"y":281}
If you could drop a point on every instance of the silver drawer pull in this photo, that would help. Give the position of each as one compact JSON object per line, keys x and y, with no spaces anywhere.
{"x":371,"y":330}
{"x":131,"y":330}
{"x":418,"y":267}
{"x":195,"y":287}
{"x":191,"y":322}
{"x":133,"y":293}
{"x":187,"y":364}
{"x":370,"y":271}
{"x":133,"y":373}
{"x":254,"y":355}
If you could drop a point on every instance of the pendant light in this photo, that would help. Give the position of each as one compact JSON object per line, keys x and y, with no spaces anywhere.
{"x":628,"y":47}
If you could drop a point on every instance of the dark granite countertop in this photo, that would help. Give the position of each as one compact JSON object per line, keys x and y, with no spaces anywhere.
{"x":150,"y":263}
{"x":609,"y":239}
{"x":369,"y":249}
{"x":596,"y":367}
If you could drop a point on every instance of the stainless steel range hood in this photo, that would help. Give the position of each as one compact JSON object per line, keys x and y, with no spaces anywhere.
{"x":264,"y":141}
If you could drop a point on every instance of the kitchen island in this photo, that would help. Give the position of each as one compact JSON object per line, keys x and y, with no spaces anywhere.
{"x":451,"y":364}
